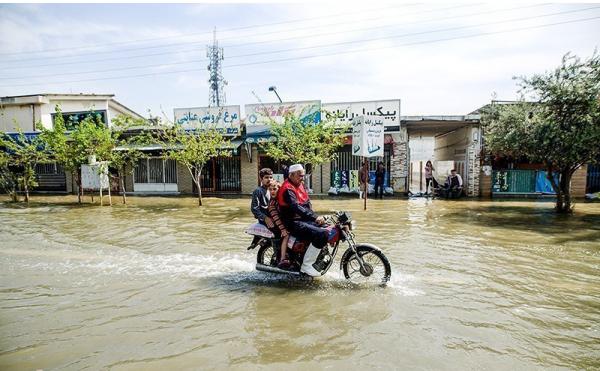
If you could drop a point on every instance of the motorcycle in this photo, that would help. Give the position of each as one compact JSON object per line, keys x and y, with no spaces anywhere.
{"x":360,"y":263}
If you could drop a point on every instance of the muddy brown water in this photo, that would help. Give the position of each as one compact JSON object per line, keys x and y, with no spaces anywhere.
{"x":162,"y":284}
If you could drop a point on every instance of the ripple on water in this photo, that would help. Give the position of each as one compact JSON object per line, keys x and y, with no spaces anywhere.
{"x":161,"y":283}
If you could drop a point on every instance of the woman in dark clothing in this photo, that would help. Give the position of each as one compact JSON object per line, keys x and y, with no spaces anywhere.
{"x":379,"y":179}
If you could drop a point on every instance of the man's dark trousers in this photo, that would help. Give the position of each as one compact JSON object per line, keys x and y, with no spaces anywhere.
{"x":309,"y":231}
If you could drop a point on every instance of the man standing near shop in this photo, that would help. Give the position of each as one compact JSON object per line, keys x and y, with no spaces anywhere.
{"x":297,"y":213}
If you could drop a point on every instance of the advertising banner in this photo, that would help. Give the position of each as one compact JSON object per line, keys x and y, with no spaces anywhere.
{"x":224,"y":119}
{"x":386,"y":111}
{"x":367,"y":136}
{"x":258,"y":116}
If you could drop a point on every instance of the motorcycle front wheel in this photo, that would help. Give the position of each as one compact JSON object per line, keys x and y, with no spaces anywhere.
{"x":266,"y":255}
{"x":376,"y":267}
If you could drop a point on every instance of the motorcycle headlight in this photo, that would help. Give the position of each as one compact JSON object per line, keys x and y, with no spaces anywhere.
{"x":353,"y":225}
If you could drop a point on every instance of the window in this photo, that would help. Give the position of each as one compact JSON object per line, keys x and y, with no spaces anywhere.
{"x":156,"y":170}
{"x":73,"y":119}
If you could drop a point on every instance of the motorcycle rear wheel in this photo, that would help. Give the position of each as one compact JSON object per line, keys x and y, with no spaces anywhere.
{"x":266,"y":255}
{"x":377,"y":268}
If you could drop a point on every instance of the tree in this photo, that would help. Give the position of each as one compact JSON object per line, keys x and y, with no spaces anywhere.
{"x":19,"y":159}
{"x":193,"y":149}
{"x":127,"y":152}
{"x":555,"y":122}
{"x":71,"y":149}
{"x":305,"y":143}
{"x":8,"y":178}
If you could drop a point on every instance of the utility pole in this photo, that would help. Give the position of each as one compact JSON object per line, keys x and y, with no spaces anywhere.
{"x":216,"y":82}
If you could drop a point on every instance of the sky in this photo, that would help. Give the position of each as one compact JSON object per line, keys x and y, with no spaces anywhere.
{"x":438,"y":59}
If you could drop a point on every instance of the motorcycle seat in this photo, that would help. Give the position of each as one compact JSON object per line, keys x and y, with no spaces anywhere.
{"x":258,"y":229}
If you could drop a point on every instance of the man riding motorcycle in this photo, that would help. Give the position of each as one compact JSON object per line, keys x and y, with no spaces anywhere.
{"x":297,"y":213}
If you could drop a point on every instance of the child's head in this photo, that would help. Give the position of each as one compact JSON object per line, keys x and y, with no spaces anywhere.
{"x":273,"y":187}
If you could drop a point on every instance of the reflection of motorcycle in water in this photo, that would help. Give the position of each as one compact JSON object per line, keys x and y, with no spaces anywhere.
{"x":360,"y":262}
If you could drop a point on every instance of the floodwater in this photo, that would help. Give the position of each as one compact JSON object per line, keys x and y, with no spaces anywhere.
{"x":162,"y":284}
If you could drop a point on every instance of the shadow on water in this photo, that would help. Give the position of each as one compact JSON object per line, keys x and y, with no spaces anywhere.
{"x":252,"y":281}
{"x":564,"y":228}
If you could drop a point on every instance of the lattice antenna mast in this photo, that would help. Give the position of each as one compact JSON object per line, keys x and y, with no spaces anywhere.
{"x":216,"y":82}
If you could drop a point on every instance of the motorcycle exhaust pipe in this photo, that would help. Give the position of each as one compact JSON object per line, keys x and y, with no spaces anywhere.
{"x":268,"y":268}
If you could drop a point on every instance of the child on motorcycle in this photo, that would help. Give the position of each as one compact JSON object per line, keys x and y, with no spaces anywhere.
{"x":280,"y":231}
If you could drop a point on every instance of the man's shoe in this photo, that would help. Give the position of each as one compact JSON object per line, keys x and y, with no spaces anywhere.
{"x":310,"y":257}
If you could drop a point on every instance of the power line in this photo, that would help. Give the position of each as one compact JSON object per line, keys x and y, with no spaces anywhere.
{"x":268,"y":41}
{"x":238,"y":45}
{"x":318,"y":55}
{"x":415,"y":43}
{"x":206,"y":32}
{"x":314,"y":46}
{"x":205,"y":42}
{"x":384,"y":26}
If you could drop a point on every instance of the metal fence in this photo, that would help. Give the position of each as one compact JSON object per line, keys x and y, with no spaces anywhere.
{"x":593,"y":179}
{"x":50,"y":177}
{"x":513,"y":181}
{"x":222,"y":174}
{"x":156,"y":170}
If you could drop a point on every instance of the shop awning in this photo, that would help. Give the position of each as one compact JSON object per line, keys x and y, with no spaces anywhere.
{"x":233,"y":144}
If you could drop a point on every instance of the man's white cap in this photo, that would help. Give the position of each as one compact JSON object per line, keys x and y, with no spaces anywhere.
{"x":295,"y":167}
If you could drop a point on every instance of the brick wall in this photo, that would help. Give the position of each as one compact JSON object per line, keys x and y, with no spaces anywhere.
{"x":249,"y":170}
{"x":578,"y":182}
{"x":474,"y":168}
{"x":326,"y":177}
{"x":184,"y":179}
{"x":399,"y":161}
{"x":129,"y":181}
{"x":71,"y":184}
{"x":485,"y":182}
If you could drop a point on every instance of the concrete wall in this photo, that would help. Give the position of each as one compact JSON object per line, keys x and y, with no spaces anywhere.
{"x":13,"y":118}
{"x":28,"y":116}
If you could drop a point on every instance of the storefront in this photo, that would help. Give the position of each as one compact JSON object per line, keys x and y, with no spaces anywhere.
{"x":155,"y":174}
{"x":345,"y":168}
{"x":221,"y":174}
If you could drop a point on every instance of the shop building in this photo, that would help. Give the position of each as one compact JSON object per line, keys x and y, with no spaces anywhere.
{"x":30,"y":113}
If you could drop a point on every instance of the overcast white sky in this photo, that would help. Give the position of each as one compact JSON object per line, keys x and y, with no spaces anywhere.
{"x":437,"y":58}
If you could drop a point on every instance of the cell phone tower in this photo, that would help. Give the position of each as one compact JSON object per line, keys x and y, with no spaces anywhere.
{"x":216,"y":82}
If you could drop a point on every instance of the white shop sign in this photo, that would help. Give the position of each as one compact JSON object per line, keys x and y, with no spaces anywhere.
{"x":367,"y":136}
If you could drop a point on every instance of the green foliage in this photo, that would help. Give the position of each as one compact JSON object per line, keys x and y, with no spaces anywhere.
{"x":18,"y":160}
{"x":305,"y":143}
{"x":8,"y":178}
{"x":128,"y":153}
{"x":556,"y":121}
{"x":71,"y":149}
{"x":194,"y":149}
{"x":127,"y":143}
